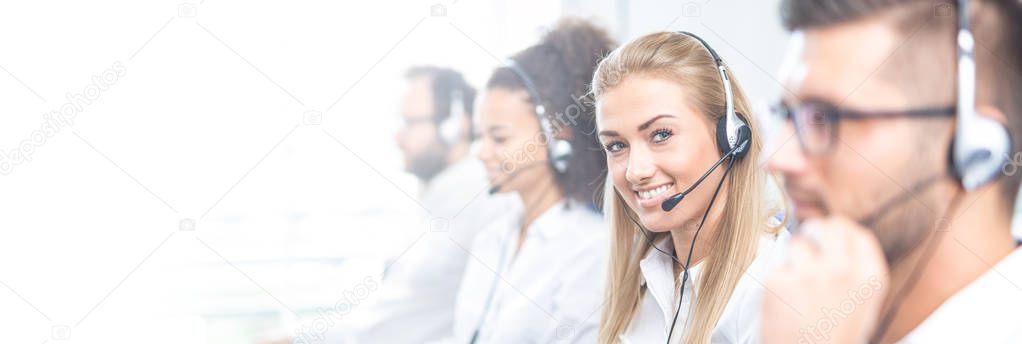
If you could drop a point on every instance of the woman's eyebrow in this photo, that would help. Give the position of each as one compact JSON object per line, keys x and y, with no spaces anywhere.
{"x":495,"y":128}
{"x":644,"y":126}
{"x":648,"y":123}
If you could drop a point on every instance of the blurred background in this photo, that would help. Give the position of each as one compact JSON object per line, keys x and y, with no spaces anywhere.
{"x":234,"y":169}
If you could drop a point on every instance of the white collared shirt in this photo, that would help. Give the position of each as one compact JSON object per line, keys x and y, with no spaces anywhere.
{"x":740,"y":322}
{"x":550,"y":292}
{"x":988,"y":310}
{"x":415,"y":302}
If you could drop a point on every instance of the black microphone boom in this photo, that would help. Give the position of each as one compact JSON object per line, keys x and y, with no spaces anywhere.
{"x":673,"y":201}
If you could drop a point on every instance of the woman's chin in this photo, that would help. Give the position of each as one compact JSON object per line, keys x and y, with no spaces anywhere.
{"x":657,"y":224}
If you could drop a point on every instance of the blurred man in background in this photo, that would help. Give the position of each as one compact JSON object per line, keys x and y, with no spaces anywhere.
{"x":437,"y":124}
{"x":903,"y":237}
{"x":415,"y":302}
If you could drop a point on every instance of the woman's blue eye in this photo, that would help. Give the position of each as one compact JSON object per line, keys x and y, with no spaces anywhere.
{"x":661,"y":135}
{"x":614,"y":147}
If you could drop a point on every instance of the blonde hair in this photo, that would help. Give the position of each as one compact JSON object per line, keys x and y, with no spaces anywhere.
{"x":732,"y":246}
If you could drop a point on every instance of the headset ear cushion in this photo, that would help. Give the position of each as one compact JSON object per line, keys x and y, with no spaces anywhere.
{"x":744,"y":136}
{"x":560,"y":153}
{"x":952,"y":167}
{"x":722,"y":143}
{"x":744,"y":139}
{"x":450,"y":130}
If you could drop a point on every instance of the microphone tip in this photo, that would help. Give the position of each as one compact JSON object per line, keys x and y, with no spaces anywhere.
{"x":672,"y":202}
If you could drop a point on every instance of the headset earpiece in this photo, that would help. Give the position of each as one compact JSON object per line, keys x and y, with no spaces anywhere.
{"x":979,"y":150}
{"x":743,"y":137}
{"x":558,"y":149}
{"x":744,"y":140}
{"x":560,"y":153}
{"x":722,"y":142}
{"x":450,"y":127}
{"x":981,"y":145}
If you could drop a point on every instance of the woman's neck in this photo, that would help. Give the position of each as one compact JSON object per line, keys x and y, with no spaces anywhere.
{"x":537,"y":201}
{"x":682,"y":239}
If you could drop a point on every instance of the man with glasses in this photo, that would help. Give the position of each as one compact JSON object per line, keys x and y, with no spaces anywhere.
{"x":895,"y":242}
{"x":415,"y":299}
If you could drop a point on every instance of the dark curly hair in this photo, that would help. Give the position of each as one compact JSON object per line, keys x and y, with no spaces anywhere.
{"x":561,"y":68}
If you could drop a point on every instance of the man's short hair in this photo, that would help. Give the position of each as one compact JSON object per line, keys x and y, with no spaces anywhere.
{"x":445,"y":84}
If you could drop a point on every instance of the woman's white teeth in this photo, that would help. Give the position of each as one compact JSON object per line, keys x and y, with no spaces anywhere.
{"x":655,"y":192}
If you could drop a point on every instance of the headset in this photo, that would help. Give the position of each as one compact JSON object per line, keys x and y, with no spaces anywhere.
{"x":981,"y":145}
{"x":733,"y":134}
{"x":450,"y":127}
{"x":559,"y":149}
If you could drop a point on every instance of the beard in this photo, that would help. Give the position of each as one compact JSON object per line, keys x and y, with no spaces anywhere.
{"x":429,"y":162}
{"x":906,"y":220}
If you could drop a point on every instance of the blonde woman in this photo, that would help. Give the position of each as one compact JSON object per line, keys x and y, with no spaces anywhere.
{"x":691,"y":228}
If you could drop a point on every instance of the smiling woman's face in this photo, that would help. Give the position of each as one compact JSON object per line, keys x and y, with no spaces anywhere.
{"x":511,"y":145}
{"x":657,"y":145}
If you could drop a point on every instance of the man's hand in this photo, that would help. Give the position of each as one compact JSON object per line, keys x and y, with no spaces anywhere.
{"x":832,"y":288}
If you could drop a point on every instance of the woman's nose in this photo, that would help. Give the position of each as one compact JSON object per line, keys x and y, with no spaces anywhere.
{"x":641,"y":166}
{"x":483,"y":151}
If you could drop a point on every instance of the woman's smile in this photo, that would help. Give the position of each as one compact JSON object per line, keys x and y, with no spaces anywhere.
{"x":648,"y":197}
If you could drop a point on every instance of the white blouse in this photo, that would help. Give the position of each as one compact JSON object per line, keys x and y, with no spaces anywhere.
{"x":740,"y":322}
{"x":550,"y":292}
{"x":415,"y":302}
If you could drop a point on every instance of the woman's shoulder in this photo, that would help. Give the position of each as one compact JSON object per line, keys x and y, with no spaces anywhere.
{"x":494,"y":232}
{"x":587,"y":223}
{"x":773,"y":243}
{"x":740,"y":321}
{"x":590,"y":217}
{"x":584,"y":234}
{"x":771,"y":252}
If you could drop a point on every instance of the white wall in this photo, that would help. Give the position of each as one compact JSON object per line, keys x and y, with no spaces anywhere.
{"x":747,"y":34}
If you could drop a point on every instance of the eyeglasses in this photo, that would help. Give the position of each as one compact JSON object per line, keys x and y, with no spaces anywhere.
{"x":816,"y":123}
